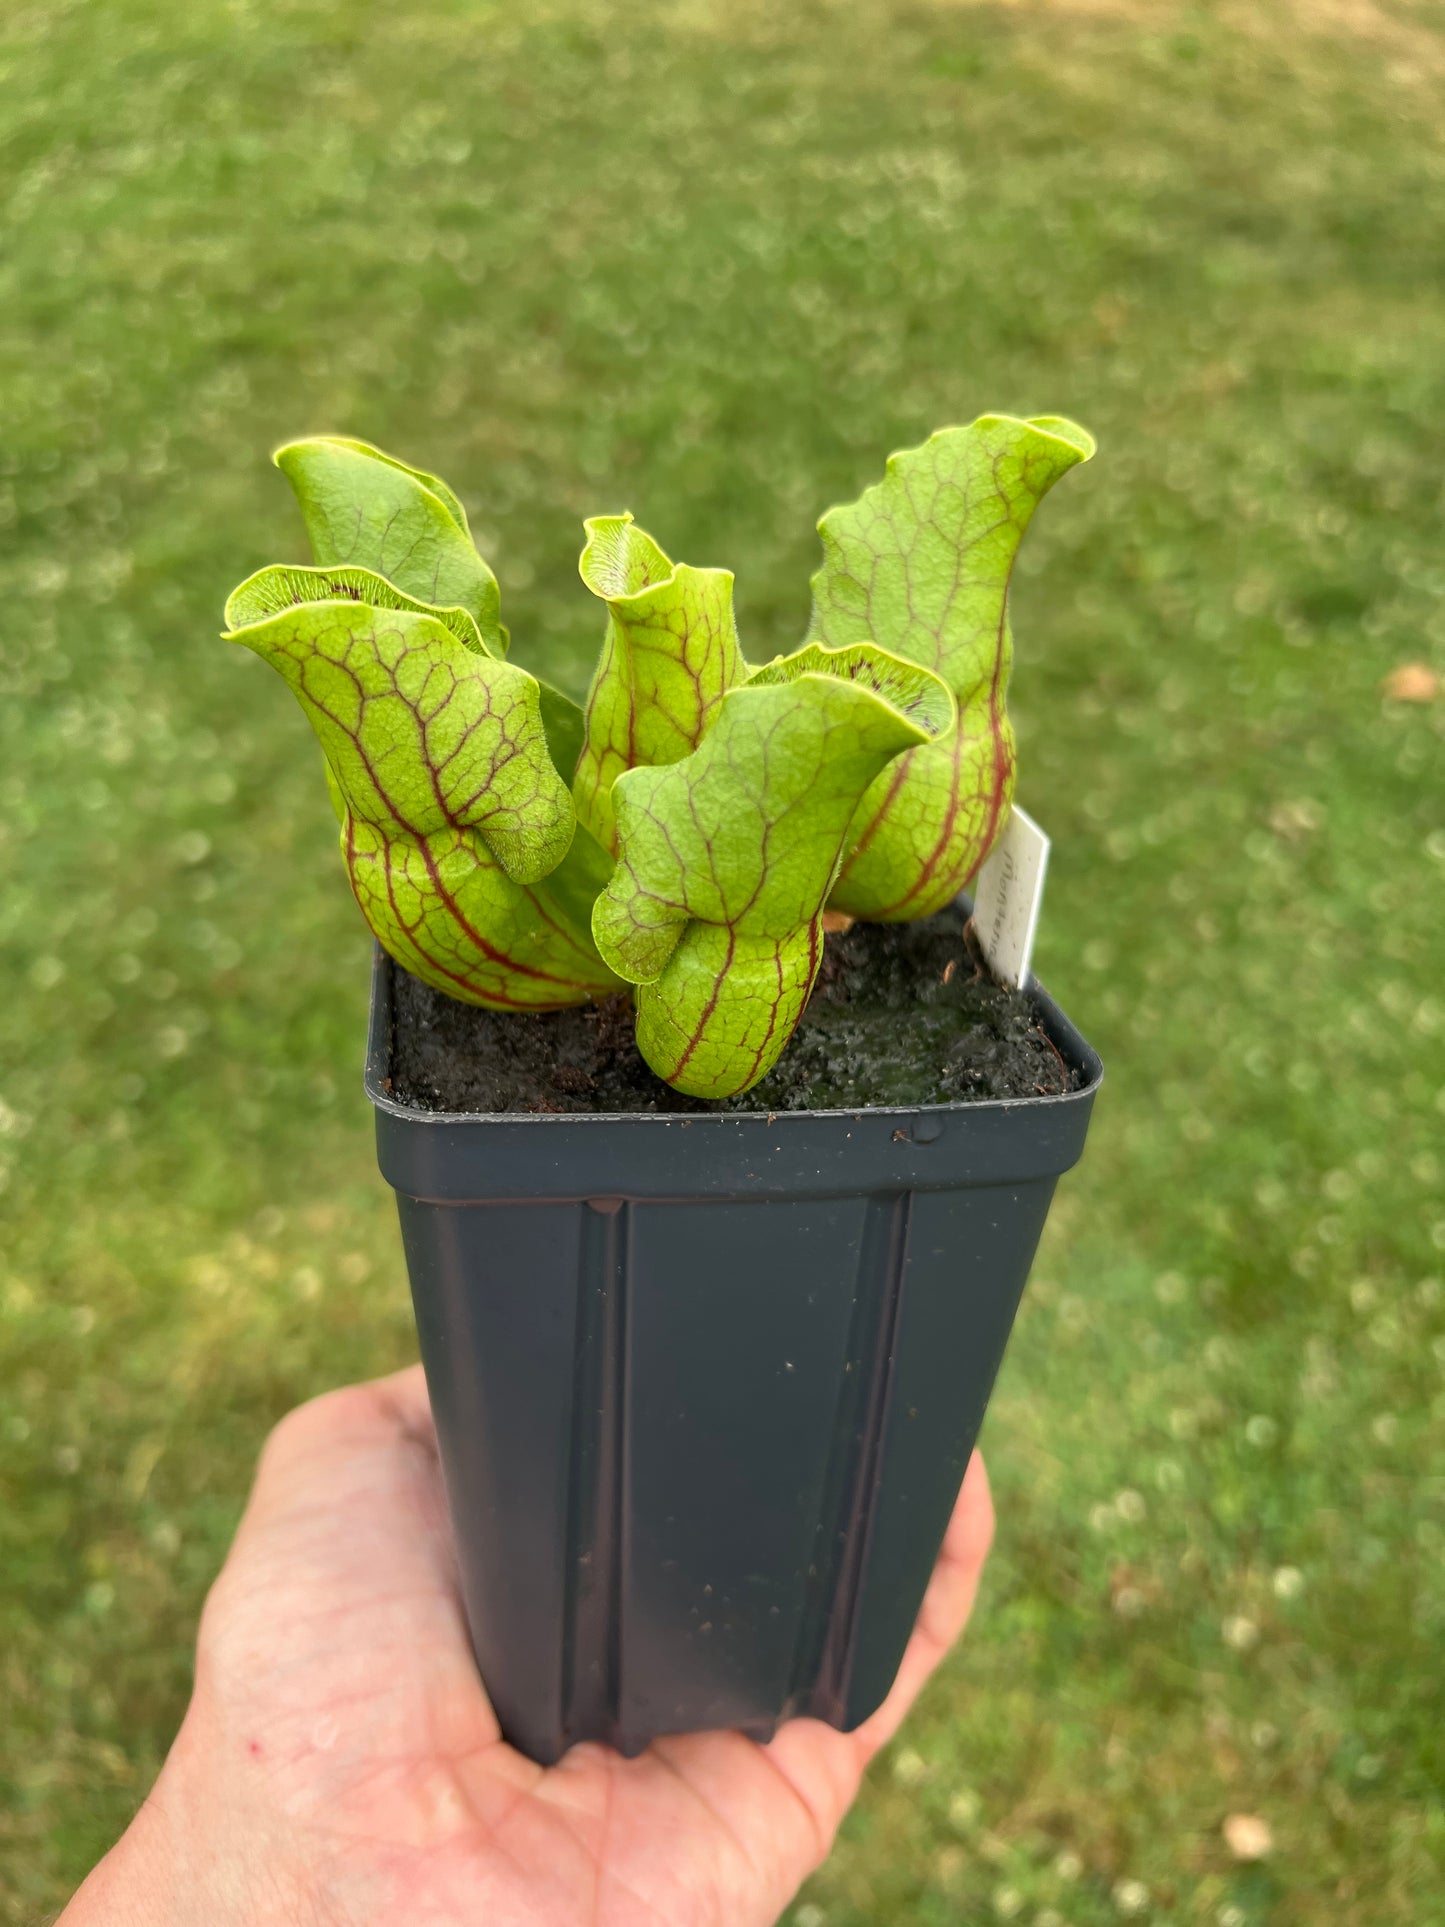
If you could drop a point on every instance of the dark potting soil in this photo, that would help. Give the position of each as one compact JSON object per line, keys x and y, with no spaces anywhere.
{"x":902,"y":1013}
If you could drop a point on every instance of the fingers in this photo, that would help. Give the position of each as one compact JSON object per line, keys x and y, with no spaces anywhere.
{"x":342,"y":1574}
{"x":770,"y":1812}
{"x":823,"y":1766}
{"x":353,"y":1418}
{"x":349,"y":1478}
{"x":946,"y":1605}
{"x":340,"y":1434}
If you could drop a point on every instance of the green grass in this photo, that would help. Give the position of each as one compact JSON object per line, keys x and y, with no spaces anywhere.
{"x":711,"y":263}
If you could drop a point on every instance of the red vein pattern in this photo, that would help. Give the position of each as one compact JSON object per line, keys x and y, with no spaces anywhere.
{"x":452,"y":813}
{"x":669,"y":657}
{"x":921,"y":564}
{"x":725,"y":857}
{"x":368,"y":510}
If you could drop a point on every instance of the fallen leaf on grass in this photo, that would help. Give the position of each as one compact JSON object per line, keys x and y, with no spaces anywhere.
{"x":1247,"y":1836}
{"x":1293,"y":820}
{"x":1412,"y":682}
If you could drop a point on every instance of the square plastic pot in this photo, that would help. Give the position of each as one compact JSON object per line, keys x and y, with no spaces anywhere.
{"x":706,"y":1385}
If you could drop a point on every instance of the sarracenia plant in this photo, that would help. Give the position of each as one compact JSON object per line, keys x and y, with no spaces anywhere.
{"x":685,"y":832}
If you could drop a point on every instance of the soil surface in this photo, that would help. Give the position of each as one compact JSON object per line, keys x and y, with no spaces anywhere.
{"x":902,"y":1014}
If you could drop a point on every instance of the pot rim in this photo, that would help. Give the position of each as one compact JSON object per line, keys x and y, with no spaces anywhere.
{"x":1080,"y":1056}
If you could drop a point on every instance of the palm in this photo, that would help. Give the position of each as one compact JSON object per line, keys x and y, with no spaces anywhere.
{"x":334,"y":1671}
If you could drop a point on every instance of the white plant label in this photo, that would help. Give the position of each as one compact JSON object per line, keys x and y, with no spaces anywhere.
{"x":1007,"y":893}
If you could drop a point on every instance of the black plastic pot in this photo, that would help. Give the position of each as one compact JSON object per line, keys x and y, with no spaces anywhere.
{"x":706,"y":1385}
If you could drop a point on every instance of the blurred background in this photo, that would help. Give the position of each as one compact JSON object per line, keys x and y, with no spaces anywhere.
{"x":711,"y":260}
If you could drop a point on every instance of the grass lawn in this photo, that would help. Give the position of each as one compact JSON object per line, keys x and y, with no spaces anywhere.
{"x":712,"y":262}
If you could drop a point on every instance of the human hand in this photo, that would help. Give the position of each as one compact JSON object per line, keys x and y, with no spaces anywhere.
{"x":340,"y":1764}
